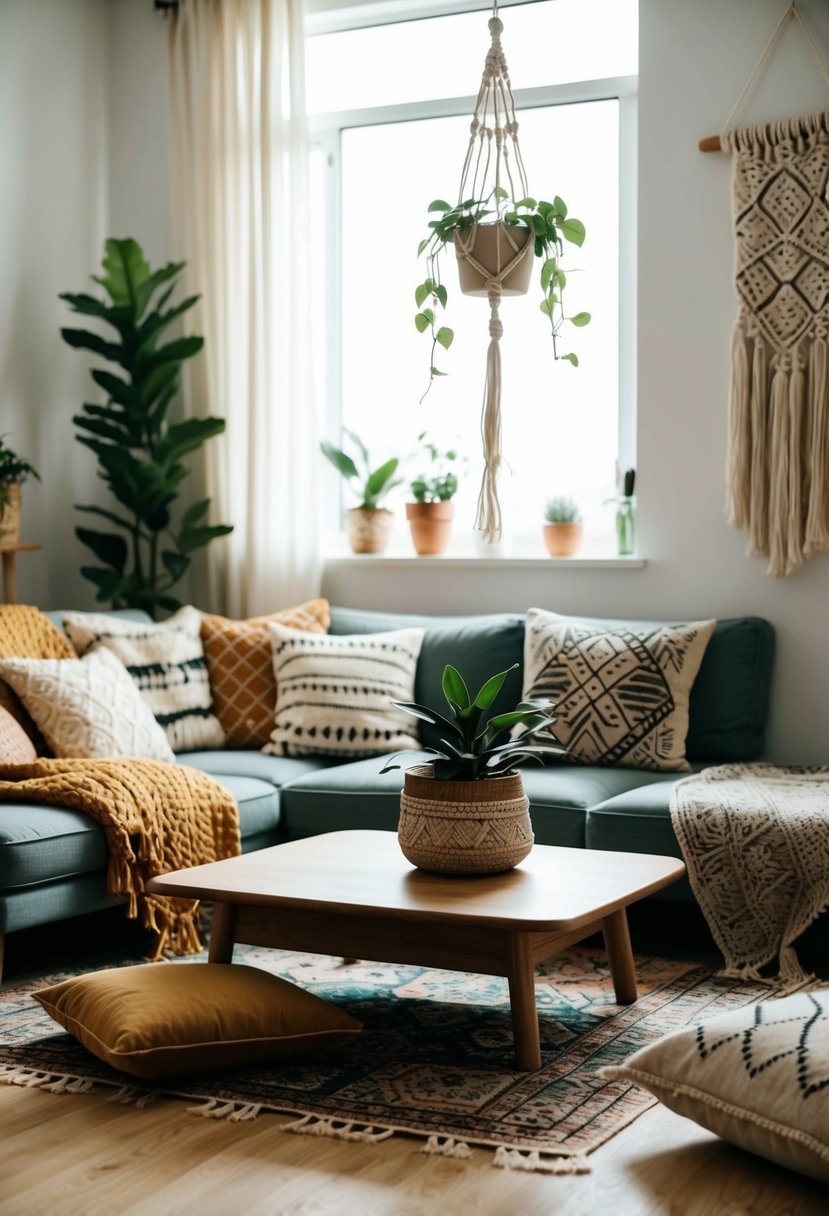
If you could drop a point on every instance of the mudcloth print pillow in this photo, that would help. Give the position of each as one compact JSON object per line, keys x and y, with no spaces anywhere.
{"x":88,"y":709}
{"x":757,"y":1076}
{"x":620,"y":688}
{"x":335,"y":693}
{"x":240,"y":667}
{"x":168,"y":666}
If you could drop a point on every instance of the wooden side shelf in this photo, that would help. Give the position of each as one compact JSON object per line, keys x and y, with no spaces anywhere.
{"x":9,"y":554}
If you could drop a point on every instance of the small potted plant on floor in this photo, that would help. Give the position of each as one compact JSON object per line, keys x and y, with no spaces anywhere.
{"x":466,"y":812}
{"x":13,"y":472}
{"x":562,"y":527}
{"x":369,"y":524}
{"x":430,"y":515}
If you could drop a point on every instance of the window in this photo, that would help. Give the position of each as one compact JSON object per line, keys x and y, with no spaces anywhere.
{"x":395,"y":142}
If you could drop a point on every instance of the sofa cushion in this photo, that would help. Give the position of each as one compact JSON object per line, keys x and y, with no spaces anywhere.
{"x":638,"y":821}
{"x":358,"y":796}
{"x":730,"y":697}
{"x":620,"y":690}
{"x":278,"y":770}
{"x":478,"y":646}
{"x":44,"y":843}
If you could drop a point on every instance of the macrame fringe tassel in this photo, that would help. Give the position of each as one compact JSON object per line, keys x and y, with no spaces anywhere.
{"x":447,"y":1146}
{"x":779,"y":474}
{"x":739,"y":434}
{"x":516,"y":1159}
{"x":759,"y":465}
{"x":488,"y":518}
{"x":797,"y":402}
{"x":817,"y":521}
{"x":338,"y":1129}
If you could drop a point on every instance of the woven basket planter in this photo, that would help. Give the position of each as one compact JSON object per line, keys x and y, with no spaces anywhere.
{"x":369,"y":531}
{"x":464,"y":827}
{"x":10,"y":513}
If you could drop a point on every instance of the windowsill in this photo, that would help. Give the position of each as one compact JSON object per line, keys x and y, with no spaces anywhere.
{"x":473,"y":561}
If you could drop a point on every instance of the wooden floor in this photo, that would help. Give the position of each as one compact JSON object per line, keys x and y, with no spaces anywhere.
{"x":69,"y":1155}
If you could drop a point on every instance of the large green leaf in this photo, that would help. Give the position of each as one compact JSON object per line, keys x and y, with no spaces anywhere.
{"x":83,"y":339}
{"x":131,"y":526}
{"x":114,"y":431}
{"x":187,"y":436}
{"x":154,"y":325}
{"x":196,"y":538}
{"x":492,"y":687}
{"x":126,"y":269}
{"x":378,"y":481}
{"x":174,"y":352}
{"x":175,"y":563}
{"x":341,"y":461}
{"x":454,"y":687}
{"x":145,"y":292}
{"x":108,"y":547}
{"x":195,"y":513}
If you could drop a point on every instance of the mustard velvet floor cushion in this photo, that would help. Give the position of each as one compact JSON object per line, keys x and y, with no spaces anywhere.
{"x":160,"y":1020}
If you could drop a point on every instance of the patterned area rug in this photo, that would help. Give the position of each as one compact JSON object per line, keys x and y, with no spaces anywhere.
{"x":435,"y":1056}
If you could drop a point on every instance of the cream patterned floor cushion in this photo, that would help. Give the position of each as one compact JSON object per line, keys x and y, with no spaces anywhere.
{"x":87,"y":708}
{"x":335,"y":693}
{"x":167,"y":663}
{"x":758,"y":1077}
{"x":621,"y":690}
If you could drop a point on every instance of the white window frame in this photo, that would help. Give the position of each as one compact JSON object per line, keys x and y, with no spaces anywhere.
{"x":326,"y":135}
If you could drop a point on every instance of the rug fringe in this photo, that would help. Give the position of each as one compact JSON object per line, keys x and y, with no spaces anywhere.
{"x":447,"y":1146}
{"x":540,"y":1163}
{"x":337,"y":1129}
{"x":51,"y":1082}
{"x":234,"y":1112}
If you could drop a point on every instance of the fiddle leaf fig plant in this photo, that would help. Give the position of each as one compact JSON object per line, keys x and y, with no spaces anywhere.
{"x":140,"y":451}
{"x":549,"y":226}
{"x":471,"y":753}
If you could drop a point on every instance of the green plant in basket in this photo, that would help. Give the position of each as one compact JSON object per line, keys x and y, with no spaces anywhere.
{"x":472,"y":753}
{"x":370,"y":485}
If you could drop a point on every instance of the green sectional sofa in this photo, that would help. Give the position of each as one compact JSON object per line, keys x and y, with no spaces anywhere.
{"x":53,"y":862}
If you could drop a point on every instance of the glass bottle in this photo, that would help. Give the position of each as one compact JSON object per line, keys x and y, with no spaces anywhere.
{"x":626,"y":526}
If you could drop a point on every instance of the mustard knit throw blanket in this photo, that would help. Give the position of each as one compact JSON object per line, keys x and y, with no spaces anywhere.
{"x":156,"y":818}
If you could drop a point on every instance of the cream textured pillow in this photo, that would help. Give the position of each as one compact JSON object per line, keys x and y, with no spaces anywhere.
{"x":240,"y":667}
{"x":159,"y":1020}
{"x":620,"y":688}
{"x":87,"y":708}
{"x":15,"y":745}
{"x":758,"y":1077}
{"x":335,"y":692}
{"x":167,"y":663}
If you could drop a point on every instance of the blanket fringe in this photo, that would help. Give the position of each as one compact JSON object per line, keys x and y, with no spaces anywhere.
{"x":540,"y":1163}
{"x":447,"y":1146}
{"x":337,"y":1129}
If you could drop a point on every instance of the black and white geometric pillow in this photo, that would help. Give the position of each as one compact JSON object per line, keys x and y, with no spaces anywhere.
{"x":167,"y":663}
{"x":335,"y":693}
{"x":620,"y":688}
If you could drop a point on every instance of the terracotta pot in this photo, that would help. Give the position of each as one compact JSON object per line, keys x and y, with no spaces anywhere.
{"x":431,"y":524}
{"x":369,"y":531}
{"x":495,"y":246}
{"x":10,"y":497}
{"x":562,"y":540}
{"x":464,"y":827}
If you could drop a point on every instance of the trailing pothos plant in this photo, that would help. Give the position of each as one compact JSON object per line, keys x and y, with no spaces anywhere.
{"x":471,"y":753}
{"x":140,"y":451}
{"x":549,"y":226}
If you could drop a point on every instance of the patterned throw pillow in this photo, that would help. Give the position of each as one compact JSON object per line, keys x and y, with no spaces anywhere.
{"x":166,"y":662}
{"x":335,"y":693}
{"x":240,"y":666}
{"x":87,"y":709}
{"x":620,"y":689}
{"x":15,"y":745}
{"x":27,"y":633}
{"x":757,"y":1076}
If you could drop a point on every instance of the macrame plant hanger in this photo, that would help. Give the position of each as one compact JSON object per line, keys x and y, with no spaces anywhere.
{"x":778,"y":430}
{"x":493,"y":259}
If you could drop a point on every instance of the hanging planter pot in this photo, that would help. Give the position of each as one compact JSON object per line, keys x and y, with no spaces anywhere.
{"x":431,"y":526}
{"x":10,"y":498}
{"x":369,"y":531}
{"x":464,"y":827}
{"x":494,"y":252}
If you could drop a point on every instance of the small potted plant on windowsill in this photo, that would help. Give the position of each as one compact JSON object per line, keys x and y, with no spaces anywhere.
{"x":466,"y":812}
{"x":369,"y":525}
{"x":497,"y":230}
{"x":13,"y":472}
{"x":563,"y":526}
{"x":430,"y":515}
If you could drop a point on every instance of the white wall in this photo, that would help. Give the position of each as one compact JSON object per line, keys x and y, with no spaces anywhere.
{"x":695,"y":57}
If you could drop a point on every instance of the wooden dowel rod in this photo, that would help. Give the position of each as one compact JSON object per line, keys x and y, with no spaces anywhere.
{"x":711,"y":143}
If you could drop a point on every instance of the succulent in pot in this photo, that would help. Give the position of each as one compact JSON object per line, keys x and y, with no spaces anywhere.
{"x":13,"y":472}
{"x":466,"y":812}
{"x":563,"y":526}
{"x":430,"y":515}
{"x":369,"y":524}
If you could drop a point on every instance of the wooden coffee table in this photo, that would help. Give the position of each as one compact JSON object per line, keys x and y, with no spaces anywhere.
{"x":354,"y":894}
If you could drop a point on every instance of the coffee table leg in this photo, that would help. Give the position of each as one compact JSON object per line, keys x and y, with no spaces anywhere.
{"x":222,"y":933}
{"x":521,"y":978}
{"x":620,"y":956}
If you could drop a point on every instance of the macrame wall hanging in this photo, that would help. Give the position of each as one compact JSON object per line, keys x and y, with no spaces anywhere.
{"x":496,"y":230}
{"x":778,"y":442}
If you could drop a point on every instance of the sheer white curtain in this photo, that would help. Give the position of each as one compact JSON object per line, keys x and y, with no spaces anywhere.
{"x":240,"y":206}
